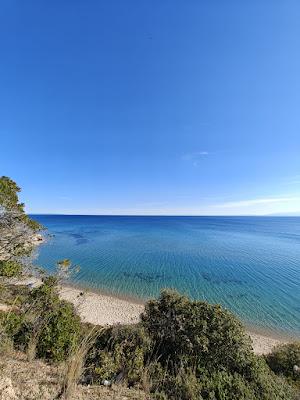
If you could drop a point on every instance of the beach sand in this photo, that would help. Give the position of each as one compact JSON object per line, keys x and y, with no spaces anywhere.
{"x":100,"y":309}
{"x":103,"y":309}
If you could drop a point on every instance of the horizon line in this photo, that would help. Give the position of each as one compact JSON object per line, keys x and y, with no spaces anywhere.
{"x":168,"y":215}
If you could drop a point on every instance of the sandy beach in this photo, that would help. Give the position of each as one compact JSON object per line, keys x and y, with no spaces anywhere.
{"x":100,"y":309}
{"x":103,"y":309}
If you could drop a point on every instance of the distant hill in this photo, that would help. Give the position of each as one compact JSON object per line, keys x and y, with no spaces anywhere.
{"x":287,"y":214}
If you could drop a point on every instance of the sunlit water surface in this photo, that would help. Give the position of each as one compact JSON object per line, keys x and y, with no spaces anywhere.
{"x":251,"y":265}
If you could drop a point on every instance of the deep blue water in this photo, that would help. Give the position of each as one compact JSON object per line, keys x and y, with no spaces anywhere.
{"x":251,"y":265}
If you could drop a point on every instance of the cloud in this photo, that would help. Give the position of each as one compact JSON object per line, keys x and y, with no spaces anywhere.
{"x":196,"y":154}
{"x":195,"y":157}
{"x":260,"y":201}
{"x":295,"y":180}
{"x":64,"y":198}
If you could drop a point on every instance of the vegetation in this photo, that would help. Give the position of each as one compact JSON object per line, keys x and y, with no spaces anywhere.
{"x":285,"y":360}
{"x":144,"y":357}
{"x":75,"y":364}
{"x":38,"y":380}
{"x":9,"y":269}
{"x":9,"y":202}
{"x":184,"y":349}
{"x":17,"y":230}
{"x":119,"y":353}
{"x":50,"y":327}
{"x":194,"y":333}
{"x":206,"y":345}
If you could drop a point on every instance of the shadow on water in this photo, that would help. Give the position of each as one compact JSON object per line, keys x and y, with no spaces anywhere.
{"x":219,"y":280}
{"x":145,"y":277}
{"x":79,"y":239}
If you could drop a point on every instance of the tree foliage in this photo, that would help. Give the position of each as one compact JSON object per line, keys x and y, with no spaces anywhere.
{"x":9,"y":201}
{"x":17,"y":230}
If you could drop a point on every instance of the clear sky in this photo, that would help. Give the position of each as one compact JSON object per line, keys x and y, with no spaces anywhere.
{"x":151,"y":107}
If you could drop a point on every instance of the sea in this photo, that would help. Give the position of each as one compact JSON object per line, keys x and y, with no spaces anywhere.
{"x":250,"y":265}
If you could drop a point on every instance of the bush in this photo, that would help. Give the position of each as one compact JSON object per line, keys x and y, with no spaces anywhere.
{"x":264,"y":383}
{"x":283,"y":358}
{"x":10,"y":269}
{"x":60,"y":333}
{"x":10,"y":322}
{"x":118,"y":353}
{"x":45,"y":296}
{"x":222,"y":385}
{"x":182,"y":386}
{"x":55,"y":324}
{"x":185,"y":350}
{"x":47,"y":326}
{"x":204,"y":353}
{"x":195,"y":333}
{"x":256,"y":382}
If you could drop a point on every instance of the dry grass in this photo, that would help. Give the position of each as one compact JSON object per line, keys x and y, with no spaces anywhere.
{"x":23,"y":380}
{"x":73,"y":370}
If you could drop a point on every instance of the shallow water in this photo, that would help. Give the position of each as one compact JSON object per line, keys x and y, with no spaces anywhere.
{"x":251,"y":265}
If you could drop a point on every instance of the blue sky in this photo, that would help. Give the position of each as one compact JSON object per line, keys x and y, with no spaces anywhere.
{"x":151,"y":107}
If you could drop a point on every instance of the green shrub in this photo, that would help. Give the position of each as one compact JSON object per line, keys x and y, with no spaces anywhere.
{"x":60,"y":332}
{"x":182,"y":386}
{"x":185,"y":350}
{"x":255,"y":383}
{"x":48,"y":323}
{"x":195,"y":333}
{"x":204,"y":353}
{"x":10,"y":323}
{"x":106,"y":366}
{"x":119,"y":351}
{"x":262,"y":384}
{"x":45,"y":297}
{"x":22,"y":336}
{"x":10,"y":269}
{"x":222,"y":385}
{"x":265,"y":383}
{"x":283,"y":358}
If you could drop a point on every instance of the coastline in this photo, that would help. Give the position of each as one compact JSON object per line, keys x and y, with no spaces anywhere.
{"x":100,"y":308}
{"x":103,"y":309}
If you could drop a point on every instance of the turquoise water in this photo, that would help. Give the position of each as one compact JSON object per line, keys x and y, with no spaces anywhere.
{"x":251,"y":265}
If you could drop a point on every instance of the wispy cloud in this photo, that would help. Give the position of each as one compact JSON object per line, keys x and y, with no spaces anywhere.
{"x":195,"y":157}
{"x":295,"y":180}
{"x":64,"y":198}
{"x":259,"y":201}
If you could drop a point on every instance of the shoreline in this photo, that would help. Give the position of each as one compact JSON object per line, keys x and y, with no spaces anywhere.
{"x":103,"y":292}
{"x":102,"y":308}
{"x":99,"y":308}
{"x":254,"y":330}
